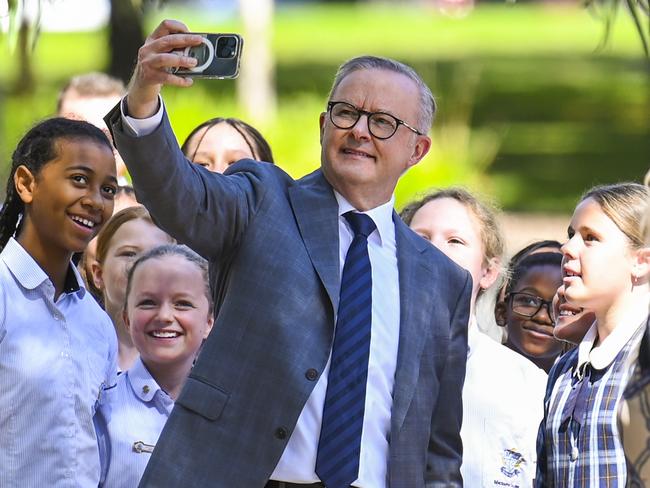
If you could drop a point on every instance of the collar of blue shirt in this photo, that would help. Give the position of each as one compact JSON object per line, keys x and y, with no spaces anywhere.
{"x":30,"y":275}
{"x":144,"y":386}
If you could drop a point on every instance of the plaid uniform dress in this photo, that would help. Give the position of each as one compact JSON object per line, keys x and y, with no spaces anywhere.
{"x":578,"y":444}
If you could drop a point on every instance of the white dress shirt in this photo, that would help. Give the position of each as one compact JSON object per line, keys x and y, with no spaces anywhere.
{"x":298,"y":461}
{"x":503,"y":405}
{"x":135,"y":415}
{"x":56,"y":359}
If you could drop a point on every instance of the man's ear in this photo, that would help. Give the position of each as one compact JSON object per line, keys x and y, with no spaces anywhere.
{"x":500,"y":313}
{"x":421,"y":148}
{"x":24,"y":181}
{"x":321,"y":125}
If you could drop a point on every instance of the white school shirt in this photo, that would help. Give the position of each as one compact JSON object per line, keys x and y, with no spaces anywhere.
{"x":298,"y":461}
{"x":503,"y":405}
{"x":134,"y":416}
{"x":56,"y":359}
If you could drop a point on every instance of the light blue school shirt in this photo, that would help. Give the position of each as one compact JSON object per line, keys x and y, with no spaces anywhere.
{"x":56,"y":359}
{"x":133,"y":418}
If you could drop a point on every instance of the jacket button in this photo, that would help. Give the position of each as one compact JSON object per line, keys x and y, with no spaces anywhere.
{"x":281,"y":433}
{"x":311,"y":374}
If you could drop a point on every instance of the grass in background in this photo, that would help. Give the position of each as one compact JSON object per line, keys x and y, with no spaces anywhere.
{"x":529,"y":114}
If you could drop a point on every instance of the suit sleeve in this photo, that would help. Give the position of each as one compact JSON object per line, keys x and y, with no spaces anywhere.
{"x":207,"y":211}
{"x":445,"y":451}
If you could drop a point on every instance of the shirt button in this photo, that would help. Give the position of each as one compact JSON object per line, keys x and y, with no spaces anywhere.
{"x":281,"y":433}
{"x":311,"y":374}
{"x":145,"y":389}
{"x":574,"y":453}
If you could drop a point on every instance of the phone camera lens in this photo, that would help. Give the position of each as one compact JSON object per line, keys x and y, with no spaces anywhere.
{"x":226,"y":47}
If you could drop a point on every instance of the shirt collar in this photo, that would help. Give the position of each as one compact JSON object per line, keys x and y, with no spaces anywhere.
{"x":31,"y":276}
{"x":602,"y":355}
{"x":473,"y":335}
{"x":142,"y":383}
{"x":382,"y":215}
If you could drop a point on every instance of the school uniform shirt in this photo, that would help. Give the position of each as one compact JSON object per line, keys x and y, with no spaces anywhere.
{"x":579,"y":442}
{"x":133,"y":418}
{"x":503,"y":404}
{"x":56,"y":359}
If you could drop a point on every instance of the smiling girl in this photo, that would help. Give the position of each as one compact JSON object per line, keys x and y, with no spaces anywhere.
{"x":606,"y":265}
{"x":527,"y":305}
{"x":57,"y":347}
{"x":127,"y":235}
{"x":168,"y":312}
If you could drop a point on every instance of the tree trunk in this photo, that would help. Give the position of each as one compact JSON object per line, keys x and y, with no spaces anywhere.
{"x":255,"y":85}
{"x":125,"y":38}
{"x":25,"y":79}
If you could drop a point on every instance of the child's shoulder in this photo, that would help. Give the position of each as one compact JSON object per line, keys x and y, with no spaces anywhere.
{"x":510,"y":366}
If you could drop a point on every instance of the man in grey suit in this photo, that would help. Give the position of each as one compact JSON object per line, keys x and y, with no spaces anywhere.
{"x":260,"y":406}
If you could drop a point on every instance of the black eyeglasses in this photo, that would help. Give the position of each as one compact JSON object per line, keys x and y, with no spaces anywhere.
{"x":380,"y":124}
{"x":528,"y":305}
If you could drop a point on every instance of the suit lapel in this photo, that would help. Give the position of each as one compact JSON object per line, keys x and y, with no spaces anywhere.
{"x":316,"y":212}
{"x":415,"y":285}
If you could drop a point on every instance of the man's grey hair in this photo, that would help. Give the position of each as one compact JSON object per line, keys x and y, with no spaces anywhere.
{"x":427,"y":102}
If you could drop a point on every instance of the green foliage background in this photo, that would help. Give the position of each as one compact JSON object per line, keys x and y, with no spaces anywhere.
{"x":530,"y":113}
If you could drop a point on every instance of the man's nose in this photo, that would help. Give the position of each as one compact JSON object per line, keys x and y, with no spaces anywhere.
{"x":360,"y":130}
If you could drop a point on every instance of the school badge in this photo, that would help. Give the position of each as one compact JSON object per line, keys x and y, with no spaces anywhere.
{"x":512,"y":462}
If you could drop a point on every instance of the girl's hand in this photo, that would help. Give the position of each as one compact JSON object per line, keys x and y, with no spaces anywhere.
{"x":156,"y":61}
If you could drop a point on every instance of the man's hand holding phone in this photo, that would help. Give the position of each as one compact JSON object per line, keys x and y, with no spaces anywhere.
{"x":158,"y":58}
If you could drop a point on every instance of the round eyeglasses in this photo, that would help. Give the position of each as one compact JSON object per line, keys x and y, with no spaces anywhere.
{"x":528,"y":305}
{"x":380,"y":124}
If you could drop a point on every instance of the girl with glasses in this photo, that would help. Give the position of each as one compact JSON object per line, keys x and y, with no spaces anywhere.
{"x":525,"y":311}
{"x":605,"y":269}
{"x":503,"y":392}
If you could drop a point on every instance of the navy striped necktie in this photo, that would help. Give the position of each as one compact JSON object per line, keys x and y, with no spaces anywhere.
{"x":337,"y":460}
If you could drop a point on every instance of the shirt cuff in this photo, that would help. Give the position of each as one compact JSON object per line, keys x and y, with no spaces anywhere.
{"x":142,"y":127}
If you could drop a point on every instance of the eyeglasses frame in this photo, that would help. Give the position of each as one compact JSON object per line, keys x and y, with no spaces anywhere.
{"x":368,"y":114}
{"x":548,"y":303}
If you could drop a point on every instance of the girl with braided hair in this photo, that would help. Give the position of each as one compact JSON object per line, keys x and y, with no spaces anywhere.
{"x":57,"y":347}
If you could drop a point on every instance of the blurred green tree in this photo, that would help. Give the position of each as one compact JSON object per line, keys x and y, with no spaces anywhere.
{"x":125,"y":36}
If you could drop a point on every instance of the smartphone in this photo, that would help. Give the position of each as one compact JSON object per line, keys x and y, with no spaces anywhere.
{"x":217,"y":57}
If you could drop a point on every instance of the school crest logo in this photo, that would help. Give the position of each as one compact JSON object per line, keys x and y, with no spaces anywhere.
{"x":512,"y":462}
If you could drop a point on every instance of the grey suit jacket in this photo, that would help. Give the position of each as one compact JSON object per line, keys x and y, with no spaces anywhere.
{"x":273,"y":244}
